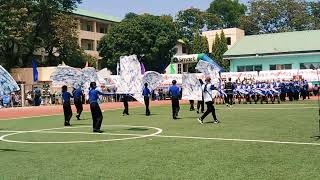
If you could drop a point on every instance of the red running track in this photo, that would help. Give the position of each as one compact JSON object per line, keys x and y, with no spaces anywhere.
{"x":25,"y":112}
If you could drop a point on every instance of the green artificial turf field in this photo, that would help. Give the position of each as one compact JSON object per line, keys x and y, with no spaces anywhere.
{"x":250,"y":143}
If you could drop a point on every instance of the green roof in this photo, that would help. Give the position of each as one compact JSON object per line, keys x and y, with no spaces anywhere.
{"x":277,"y":43}
{"x":82,"y":12}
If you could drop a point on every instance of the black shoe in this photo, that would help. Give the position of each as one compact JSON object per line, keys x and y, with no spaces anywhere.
{"x":97,"y":131}
{"x":67,"y":124}
{"x":78,"y":117}
{"x":216,"y":121}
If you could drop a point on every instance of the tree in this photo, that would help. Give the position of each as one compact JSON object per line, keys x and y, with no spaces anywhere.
{"x":315,"y":13}
{"x":16,"y":26}
{"x":200,"y":45}
{"x":274,"y":16}
{"x":218,"y":49}
{"x":228,"y":11}
{"x":151,"y":38}
{"x":27,"y":26}
{"x":130,"y":15}
{"x":190,"y":22}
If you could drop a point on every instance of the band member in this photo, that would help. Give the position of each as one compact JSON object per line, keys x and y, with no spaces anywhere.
{"x":66,"y":105}
{"x":207,"y":89}
{"x":77,"y":96}
{"x":174,"y":93}
{"x":229,"y":91}
{"x":125,"y":99}
{"x":191,"y":105}
{"x":95,"y":108}
{"x":146,"y":96}
{"x":200,"y":103}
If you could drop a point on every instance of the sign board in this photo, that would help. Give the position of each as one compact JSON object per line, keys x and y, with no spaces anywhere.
{"x":193,"y":58}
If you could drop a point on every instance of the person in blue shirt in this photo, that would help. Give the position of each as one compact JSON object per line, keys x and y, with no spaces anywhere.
{"x":66,"y":105}
{"x":146,"y":96}
{"x":37,"y":96}
{"x":174,"y":93}
{"x":6,"y":100}
{"x":95,"y":108}
{"x":77,"y":96}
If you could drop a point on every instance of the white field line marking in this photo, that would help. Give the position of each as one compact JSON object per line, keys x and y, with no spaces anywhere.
{"x":77,"y":132}
{"x":136,"y":136}
{"x":71,"y":132}
{"x":240,"y":140}
{"x":164,"y":136}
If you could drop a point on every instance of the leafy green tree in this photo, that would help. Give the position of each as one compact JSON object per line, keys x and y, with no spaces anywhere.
{"x":200,"y":45}
{"x":315,"y":13}
{"x":190,"y":22}
{"x":16,"y":27}
{"x":272,"y":16}
{"x":218,"y":49}
{"x":151,"y":38}
{"x":26,"y":26}
{"x":228,"y":11}
{"x":130,"y":15}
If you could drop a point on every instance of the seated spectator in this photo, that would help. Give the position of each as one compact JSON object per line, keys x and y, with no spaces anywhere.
{"x":6,"y":101}
{"x":29,"y":98}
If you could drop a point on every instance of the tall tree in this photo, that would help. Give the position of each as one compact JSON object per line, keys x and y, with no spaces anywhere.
{"x":26,"y":26}
{"x":200,"y":44}
{"x":219,"y":48}
{"x":65,"y":46}
{"x":16,"y":27}
{"x":273,"y":16}
{"x":151,"y":38}
{"x":228,"y":11}
{"x":315,"y":13}
{"x":190,"y":22}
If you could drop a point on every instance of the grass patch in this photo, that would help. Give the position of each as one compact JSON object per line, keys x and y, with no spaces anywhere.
{"x":169,"y":158}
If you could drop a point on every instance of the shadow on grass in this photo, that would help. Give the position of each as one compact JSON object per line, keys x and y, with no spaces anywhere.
{"x":137,"y":129}
{"x":11,"y":150}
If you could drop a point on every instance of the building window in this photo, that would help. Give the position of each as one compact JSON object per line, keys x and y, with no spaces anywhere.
{"x":249,"y":68}
{"x":179,"y":69}
{"x":89,"y":27}
{"x":228,"y":41}
{"x":86,"y":26}
{"x":185,"y":67}
{"x":103,"y":30}
{"x":280,"y":66}
{"x":87,"y":44}
{"x":98,"y":42}
{"x":184,"y":49}
{"x":315,"y":65}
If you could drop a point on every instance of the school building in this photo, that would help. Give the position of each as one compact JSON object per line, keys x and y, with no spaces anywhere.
{"x":278,"y":51}
{"x":92,"y":27}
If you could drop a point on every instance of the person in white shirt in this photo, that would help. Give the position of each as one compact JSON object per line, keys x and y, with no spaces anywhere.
{"x":207,"y":89}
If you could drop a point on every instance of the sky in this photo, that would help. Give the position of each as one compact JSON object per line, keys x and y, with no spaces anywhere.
{"x":119,"y":8}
